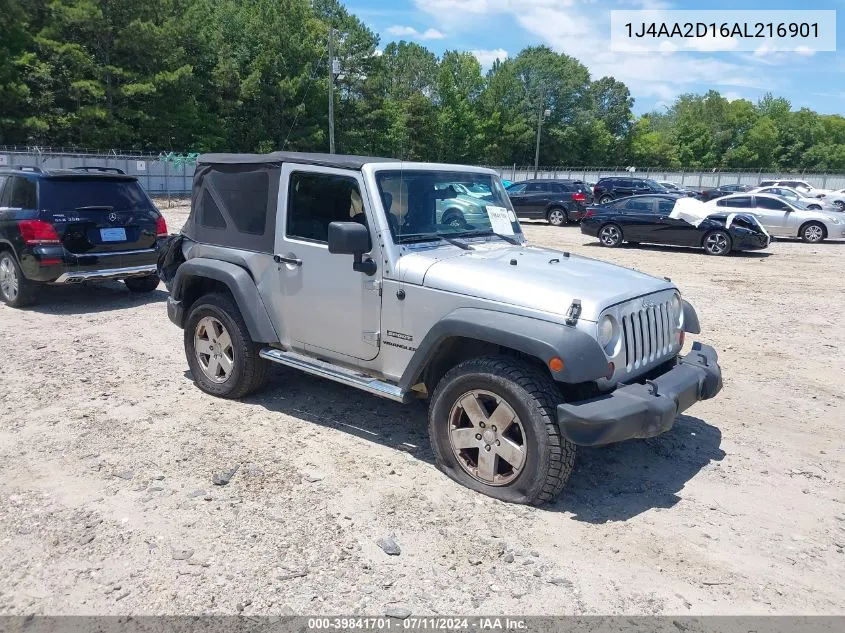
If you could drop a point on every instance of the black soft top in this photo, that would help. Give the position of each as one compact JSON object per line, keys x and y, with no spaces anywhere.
{"x":340,"y":161}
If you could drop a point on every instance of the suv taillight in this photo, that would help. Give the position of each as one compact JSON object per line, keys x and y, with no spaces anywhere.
{"x":595,"y":190}
{"x":37,"y":232}
{"x":579,"y":196}
{"x":161,"y":227}
{"x":589,"y":213}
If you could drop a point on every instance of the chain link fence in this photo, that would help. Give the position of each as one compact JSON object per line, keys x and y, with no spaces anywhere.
{"x":167,"y":174}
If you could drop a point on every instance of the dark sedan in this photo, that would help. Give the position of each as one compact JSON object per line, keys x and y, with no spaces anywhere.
{"x":557,"y":201}
{"x":723,"y":190}
{"x":646,"y":219}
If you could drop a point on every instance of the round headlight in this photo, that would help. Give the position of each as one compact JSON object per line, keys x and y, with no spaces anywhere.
{"x":677,"y":310}
{"x":607,"y":334}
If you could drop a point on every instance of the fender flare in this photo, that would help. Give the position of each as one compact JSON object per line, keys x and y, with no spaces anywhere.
{"x":691,"y":323}
{"x":583,"y":359}
{"x":240,"y":284}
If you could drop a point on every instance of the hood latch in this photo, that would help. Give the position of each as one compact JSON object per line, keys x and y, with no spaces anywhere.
{"x":574,"y":312}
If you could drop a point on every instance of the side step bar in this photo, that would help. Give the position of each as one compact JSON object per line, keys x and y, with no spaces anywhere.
{"x":332,"y":372}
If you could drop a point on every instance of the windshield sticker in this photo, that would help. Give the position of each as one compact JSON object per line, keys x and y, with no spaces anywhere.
{"x":499,"y":220}
{"x":511,"y":216}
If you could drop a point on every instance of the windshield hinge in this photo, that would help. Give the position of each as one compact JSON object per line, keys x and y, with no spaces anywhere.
{"x":574,"y":312}
{"x":374,"y":285}
{"x":372,"y":338}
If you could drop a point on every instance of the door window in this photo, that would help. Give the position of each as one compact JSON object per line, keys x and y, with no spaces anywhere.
{"x":640,"y":205}
{"x":3,"y":197}
{"x":517,"y":188}
{"x":664,"y":207}
{"x":537,"y":187}
{"x":771,"y":203}
{"x":316,"y":200}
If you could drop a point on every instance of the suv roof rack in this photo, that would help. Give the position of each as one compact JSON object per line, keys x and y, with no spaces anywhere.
{"x":31,"y":168}
{"x":112,"y":170}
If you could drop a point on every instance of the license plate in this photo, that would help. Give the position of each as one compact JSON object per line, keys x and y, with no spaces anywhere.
{"x":113,"y":235}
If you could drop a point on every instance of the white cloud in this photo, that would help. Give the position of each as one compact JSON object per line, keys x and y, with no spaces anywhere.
{"x":486,"y":58}
{"x":805,"y":51}
{"x":409,"y":31}
{"x":581,"y":29}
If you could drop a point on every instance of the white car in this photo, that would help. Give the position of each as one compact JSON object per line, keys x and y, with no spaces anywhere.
{"x":783,"y":218}
{"x":799,"y":185}
{"x":796,"y":196}
{"x":837,"y":199}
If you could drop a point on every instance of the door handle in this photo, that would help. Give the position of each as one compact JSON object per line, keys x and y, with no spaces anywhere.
{"x":283,"y":259}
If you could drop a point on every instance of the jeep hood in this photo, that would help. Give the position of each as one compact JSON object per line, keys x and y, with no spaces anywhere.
{"x":537,"y":278}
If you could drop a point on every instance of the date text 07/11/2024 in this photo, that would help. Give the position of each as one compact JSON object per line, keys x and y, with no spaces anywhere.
{"x":416,"y":624}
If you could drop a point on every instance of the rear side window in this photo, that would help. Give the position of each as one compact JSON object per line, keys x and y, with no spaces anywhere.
{"x":743,"y":202}
{"x":3,"y":180}
{"x":537,"y":187}
{"x":767,"y":183}
{"x":59,"y":194}
{"x":209,"y":214}
{"x":516,"y":188}
{"x":244,"y":194}
{"x":316,"y":200}
{"x":665,"y":206}
{"x":640,"y":205}
{"x":22,"y":193}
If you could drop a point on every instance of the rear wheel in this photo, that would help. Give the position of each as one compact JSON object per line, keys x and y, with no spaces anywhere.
{"x":610,"y":235}
{"x":15,"y":289}
{"x":717,"y":243}
{"x":493,"y":428}
{"x":812,"y":232}
{"x":224,"y":360}
{"x":142,"y":284}
{"x":839,"y":204}
{"x":453,"y":217}
{"x":605,"y":199}
{"x":557,"y":216}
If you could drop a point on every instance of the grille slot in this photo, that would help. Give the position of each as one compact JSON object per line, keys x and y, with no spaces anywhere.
{"x":646,"y":334}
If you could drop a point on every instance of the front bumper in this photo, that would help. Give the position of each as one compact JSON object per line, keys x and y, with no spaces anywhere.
{"x":643,"y":410}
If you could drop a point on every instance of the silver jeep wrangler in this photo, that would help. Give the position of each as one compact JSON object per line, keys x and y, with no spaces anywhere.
{"x":344,"y":267}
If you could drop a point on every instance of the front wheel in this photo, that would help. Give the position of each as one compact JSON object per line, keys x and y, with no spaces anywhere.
{"x":605,"y":199}
{"x":142,"y":284}
{"x":812,"y":232}
{"x":717,"y":243}
{"x":493,"y":428}
{"x":610,"y":235}
{"x":15,"y":289}
{"x":840,"y":205}
{"x":557,"y":216}
{"x":223,"y":359}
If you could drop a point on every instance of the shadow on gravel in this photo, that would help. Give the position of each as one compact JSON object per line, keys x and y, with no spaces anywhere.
{"x":91,"y":298}
{"x":323,"y":402}
{"x":655,"y":248}
{"x":620,"y":481}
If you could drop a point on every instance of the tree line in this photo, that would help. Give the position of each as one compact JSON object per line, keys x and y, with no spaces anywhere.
{"x":252,"y":75}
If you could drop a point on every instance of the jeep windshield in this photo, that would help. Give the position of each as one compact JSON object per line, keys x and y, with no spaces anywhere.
{"x":434,"y":205}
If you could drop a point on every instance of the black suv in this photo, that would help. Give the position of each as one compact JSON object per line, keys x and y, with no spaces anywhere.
{"x":558,"y":201}
{"x":74,"y":225}
{"x":607,"y":189}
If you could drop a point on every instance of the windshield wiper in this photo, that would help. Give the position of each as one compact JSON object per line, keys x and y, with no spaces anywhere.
{"x":508,"y":238}
{"x":424,"y":237}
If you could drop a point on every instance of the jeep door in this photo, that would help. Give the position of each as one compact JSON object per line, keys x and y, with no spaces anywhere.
{"x":325,"y":307}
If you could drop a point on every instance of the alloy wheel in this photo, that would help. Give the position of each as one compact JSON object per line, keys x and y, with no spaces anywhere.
{"x":610,"y":236}
{"x":813,"y":233}
{"x":487,"y":438}
{"x":556,"y":217}
{"x":716,"y":243}
{"x":8,"y":279}
{"x":213,"y":346}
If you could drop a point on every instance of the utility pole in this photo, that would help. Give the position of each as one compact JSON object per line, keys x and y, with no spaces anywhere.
{"x":540,"y":116}
{"x":331,"y":90}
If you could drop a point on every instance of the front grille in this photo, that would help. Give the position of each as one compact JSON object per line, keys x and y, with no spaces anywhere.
{"x":647,"y":334}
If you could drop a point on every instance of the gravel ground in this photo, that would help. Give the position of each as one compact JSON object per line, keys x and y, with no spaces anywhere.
{"x":108,"y":451}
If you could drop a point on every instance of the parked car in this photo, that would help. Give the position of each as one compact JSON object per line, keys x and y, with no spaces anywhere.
{"x":795,"y":196}
{"x":66,"y":226}
{"x":557,"y":201}
{"x":722,"y":190}
{"x":648,"y":219}
{"x":801,"y":185}
{"x":837,"y":199}
{"x":458,"y":205}
{"x":608,"y":189}
{"x":783,"y":218}
{"x":524,"y":353}
{"x":672,"y":187}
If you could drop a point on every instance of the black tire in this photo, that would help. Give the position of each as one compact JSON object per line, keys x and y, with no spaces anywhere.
{"x":605,"y":199}
{"x":16,"y":290}
{"x":248,"y":370}
{"x":454,"y":217}
{"x":557,"y":216}
{"x":717,"y":243}
{"x":610,"y":235}
{"x":142,"y":284}
{"x":812,"y":232}
{"x":548,"y":457}
{"x":814,"y":207}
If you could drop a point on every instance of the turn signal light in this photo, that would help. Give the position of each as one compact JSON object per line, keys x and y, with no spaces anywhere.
{"x":681,"y":338}
{"x":611,"y":368}
{"x":37,"y":232}
{"x":556,"y":364}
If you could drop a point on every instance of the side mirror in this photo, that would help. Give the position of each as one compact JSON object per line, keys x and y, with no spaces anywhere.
{"x":351,"y":238}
